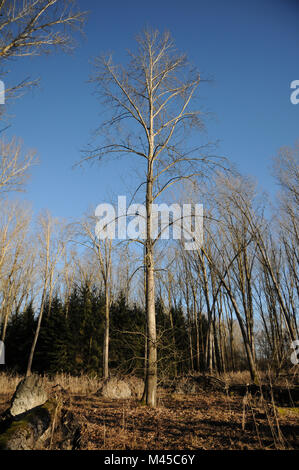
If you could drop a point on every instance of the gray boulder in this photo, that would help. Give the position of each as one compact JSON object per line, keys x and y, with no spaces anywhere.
{"x":29,"y":394}
{"x":115,"y":388}
{"x":136,"y":385}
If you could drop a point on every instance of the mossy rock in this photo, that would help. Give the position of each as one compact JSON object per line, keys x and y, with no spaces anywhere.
{"x":29,"y":430}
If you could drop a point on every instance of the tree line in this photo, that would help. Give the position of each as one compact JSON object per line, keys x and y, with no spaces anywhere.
{"x":230,"y":305}
{"x":71,"y":337}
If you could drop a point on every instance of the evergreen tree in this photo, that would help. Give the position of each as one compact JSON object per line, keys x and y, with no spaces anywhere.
{"x":19,"y":337}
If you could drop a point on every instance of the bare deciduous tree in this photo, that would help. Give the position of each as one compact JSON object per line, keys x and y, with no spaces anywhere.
{"x":52,"y":237}
{"x":32,"y":27}
{"x":152,"y":96}
{"x":14,"y":226}
{"x":102,"y":250}
{"x":27,"y":28}
{"x":14,"y":166}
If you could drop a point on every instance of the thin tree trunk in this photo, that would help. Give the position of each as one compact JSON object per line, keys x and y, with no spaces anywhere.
{"x":106,"y":334}
{"x":5,"y":322}
{"x":195,"y":316}
{"x":29,"y":365}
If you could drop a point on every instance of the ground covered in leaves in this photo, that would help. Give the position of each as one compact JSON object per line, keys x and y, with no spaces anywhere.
{"x":207,"y":421}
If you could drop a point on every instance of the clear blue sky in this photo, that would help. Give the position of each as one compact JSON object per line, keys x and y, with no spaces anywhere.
{"x":249,"y":47}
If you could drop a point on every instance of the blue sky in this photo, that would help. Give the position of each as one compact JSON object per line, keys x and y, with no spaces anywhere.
{"x":250,"y":48}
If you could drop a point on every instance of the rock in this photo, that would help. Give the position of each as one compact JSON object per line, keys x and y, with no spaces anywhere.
{"x":44,"y":427}
{"x":136,"y":385}
{"x":35,"y":422}
{"x":28,"y":431}
{"x":186,"y":386}
{"x":115,"y":388}
{"x":191,"y":385}
{"x":29,"y":394}
{"x":122,"y":388}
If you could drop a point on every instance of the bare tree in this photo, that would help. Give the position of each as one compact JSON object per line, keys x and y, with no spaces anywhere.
{"x":286,"y":170}
{"x":70,"y":262}
{"x":14,"y":166}
{"x":224,"y":266}
{"x":152,"y":96}
{"x":27,"y":28}
{"x":14,"y":226}
{"x":52,"y":238}
{"x":102,"y":250}
{"x":237,"y":236}
{"x":32,"y":27}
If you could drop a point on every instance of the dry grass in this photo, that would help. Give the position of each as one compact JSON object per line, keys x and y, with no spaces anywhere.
{"x":8,"y":383}
{"x":236,"y":378}
{"x":284,"y":379}
{"x":83,"y":384}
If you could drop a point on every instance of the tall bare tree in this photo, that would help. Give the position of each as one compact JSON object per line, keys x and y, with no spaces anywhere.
{"x":149,"y":104}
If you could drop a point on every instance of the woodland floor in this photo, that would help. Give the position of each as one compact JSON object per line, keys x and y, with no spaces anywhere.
{"x":206,"y":421}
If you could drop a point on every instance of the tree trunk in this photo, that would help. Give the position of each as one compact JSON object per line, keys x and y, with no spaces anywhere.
{"x":151,"y":382}
{"x":29,"y":366}
{"x":152,"y":340}
{"x":4,"y":328}
{"x":106,"y":334}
